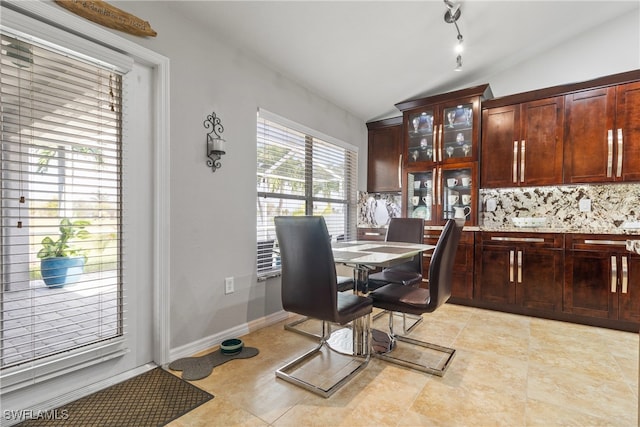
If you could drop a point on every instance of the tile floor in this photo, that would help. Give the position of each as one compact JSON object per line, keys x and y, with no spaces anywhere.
{"x":509,"y":370}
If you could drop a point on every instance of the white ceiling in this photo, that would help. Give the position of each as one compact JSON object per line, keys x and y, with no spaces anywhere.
{"x":366,"y":56}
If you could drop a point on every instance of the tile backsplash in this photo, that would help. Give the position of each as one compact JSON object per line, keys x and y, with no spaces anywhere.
{"x":376,"y":209}
{"x":612,"y":206}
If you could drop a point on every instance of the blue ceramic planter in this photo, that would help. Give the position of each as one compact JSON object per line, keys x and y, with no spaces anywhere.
{"x":57,"y":272}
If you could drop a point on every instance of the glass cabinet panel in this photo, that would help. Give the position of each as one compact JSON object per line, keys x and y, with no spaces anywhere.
{"x":420,"y":191}
{"x":457,"y":193}
{"x":457,"y":134}
{"x":421,"y":136}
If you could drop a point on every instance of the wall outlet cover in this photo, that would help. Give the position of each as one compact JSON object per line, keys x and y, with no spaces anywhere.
{"x":585,"y":205}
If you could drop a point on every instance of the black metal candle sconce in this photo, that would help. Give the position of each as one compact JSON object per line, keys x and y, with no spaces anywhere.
{"x":215,"y":143}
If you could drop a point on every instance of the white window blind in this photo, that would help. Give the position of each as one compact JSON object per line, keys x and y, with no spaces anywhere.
{"x":61,"y":171}
{"x":301,"y":172}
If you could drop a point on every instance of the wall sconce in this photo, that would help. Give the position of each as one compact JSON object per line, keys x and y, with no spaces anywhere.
{"x":215,"y":144}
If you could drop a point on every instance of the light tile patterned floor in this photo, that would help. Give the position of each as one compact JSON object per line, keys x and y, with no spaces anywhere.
{"x":509,"y":370}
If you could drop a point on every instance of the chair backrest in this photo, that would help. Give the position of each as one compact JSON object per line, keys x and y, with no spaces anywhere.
{"x":441,"y":266}
{"x":410,"y":230}
{"x":309,"y":284}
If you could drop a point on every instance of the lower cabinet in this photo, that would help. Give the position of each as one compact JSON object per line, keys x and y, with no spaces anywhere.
{"x":520,"y":269}
{"x":602,"y":279}
{"x":462,"y":286}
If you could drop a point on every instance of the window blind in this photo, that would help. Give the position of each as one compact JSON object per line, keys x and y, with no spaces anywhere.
{"x":301,"y":172}
{"x":61,"y":172}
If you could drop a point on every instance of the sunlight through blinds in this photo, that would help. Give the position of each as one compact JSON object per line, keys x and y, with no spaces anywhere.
{"x":60,"y":212}
{"x":301,"y":172}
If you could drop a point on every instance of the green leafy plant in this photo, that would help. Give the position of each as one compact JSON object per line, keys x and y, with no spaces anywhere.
{"x":61,"y":248}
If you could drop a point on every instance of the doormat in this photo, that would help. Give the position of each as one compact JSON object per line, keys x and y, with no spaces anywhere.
{"x":196,"y":368}
{"x":153,"y":398}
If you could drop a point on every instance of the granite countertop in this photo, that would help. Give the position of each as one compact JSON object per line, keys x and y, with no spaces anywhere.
{"x":513,"y":229}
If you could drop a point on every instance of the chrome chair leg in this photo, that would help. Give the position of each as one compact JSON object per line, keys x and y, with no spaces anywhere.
{"x":284,"y":372}
{"x":291,"y":326}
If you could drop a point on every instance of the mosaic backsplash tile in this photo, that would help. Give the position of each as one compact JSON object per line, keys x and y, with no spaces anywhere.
{"x":614,"y":208}
{"x":376,"y":209}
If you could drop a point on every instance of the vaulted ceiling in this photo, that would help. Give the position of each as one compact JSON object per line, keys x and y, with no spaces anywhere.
{"x":366,"y":56}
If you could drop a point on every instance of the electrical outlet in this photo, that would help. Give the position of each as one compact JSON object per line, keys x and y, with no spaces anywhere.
{"x":584,"y":205}
{"x":228,"y":285}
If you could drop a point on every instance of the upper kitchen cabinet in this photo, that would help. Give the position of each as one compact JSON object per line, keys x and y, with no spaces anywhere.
{"x":385,"y":155}
{"x":443,"y":128}
{"x":522,"y":142}
{"x":602,"y":134}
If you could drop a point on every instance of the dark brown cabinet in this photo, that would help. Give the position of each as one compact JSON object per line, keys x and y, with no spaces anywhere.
{"x":384,"y":159}
{"x":602,"y":279}
{"x":520,"y":269}
{"x":522,"y":144}
{"x":441,"y":137}
{"x":602,"y":135}
{"x":462,"y":285}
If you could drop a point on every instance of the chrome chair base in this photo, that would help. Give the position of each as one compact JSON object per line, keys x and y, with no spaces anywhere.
{"x":388,"y":355}
{"x":284,"y":372}
{"x":415,"y":317}
{"x":437,"y":370}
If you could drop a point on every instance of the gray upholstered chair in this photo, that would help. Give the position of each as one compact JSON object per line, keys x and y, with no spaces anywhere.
{"x":310,"y":288}
{"x":396,"y":297}
{"x":410,"y":230}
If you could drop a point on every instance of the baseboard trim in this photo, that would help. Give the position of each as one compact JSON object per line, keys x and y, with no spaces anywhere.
{"x":205,"y":343}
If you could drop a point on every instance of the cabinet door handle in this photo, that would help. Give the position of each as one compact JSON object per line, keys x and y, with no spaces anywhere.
{"x":619,"y":166}
{"x":522,"y":152}
{"x":439,"y":184}
{"x":511,"y":261}
{"x":515,"y":161}
{"x":440,"y":142}
{"x":605,"y":242}
{"x":625,"y":274}
{"x":519,"y":266}
{"x":609,"y":152}
{"x":433,"y":188}
{"x":400,"y":171}
{"x":614,"y":274}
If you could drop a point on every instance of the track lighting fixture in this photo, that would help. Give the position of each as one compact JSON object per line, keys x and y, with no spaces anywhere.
{"x":451,"y":16}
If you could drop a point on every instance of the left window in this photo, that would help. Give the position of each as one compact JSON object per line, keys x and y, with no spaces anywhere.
{"x":60,"y":205}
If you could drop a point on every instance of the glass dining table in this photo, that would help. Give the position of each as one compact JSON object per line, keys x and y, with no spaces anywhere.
{"x":364,"y":256}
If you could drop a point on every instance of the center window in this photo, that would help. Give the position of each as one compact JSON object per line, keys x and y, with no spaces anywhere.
{"x":301,"y":172}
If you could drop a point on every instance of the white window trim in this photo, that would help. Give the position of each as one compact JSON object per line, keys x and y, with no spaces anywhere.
{"x":161,"y":176}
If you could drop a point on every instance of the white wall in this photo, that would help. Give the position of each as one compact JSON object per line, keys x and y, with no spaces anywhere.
{"x":213,"y":214}
{"x":609,"y":49}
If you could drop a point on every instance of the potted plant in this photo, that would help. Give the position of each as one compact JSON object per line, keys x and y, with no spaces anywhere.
{"x":60,"y":263}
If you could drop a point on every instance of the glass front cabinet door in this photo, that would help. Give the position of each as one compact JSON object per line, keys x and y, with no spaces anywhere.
{"x":421,"y":136}
{"x":442,"y":193}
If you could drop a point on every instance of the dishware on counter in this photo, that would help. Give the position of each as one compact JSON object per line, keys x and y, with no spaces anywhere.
{"x":461,"y":212}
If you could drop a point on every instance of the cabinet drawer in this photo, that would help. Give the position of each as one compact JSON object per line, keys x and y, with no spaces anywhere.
{"x":377,"y":234}
{"x":597,"y":242}
{"x":538,"y":240}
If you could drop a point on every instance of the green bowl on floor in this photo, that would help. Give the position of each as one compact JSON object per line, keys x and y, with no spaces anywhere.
{"x":231,"y":346}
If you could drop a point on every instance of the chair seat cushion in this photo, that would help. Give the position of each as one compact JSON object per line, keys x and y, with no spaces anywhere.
{"x":397,"y":297}
{"x":406,"y":278}
{"x":351,"y":306}
{"x":345,"y":283}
